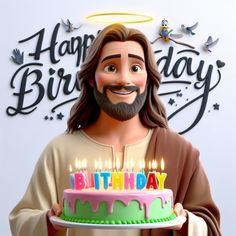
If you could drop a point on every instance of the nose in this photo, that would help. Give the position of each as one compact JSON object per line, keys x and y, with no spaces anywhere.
{"x":123,"y":76}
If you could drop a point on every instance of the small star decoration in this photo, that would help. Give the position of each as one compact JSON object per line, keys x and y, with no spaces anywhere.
{"x":171,"y":101}
{"x":216,"y":106}
{"x":60,"y":116}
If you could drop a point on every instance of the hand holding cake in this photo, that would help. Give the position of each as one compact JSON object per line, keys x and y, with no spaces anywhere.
{"x":55,"y":210}
{"x":179,"y":211}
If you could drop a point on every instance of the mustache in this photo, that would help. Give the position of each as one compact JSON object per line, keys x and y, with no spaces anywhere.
{"x":120,"y":87}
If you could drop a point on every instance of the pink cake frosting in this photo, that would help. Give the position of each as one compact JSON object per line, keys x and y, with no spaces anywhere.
{"x":94,"y":197}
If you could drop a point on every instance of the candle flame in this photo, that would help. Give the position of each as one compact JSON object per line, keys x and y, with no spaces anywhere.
{"x":70,"y":168}
{"x":117,"y":163}
{"x":109,"y":165}
{"x":96,"y":165}
{"x":76,"y":163}
{"x":106,"y":164}
{"x":149,"y":165}
{"x":84,"y":163}
{"x":140,"y":165}
{"x":162,"y":164}
{"x":132,"y":164}
{"x":100,"y":164}
{"x":143,"y":164}
{"x":127,"y":164}
{"x":154,"y":164}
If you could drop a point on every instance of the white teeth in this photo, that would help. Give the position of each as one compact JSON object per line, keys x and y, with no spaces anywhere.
{"x":120,"y":92}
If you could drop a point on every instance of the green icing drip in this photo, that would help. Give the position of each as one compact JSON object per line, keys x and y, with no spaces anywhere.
{"x":84,"y":214}
{"x":84,"y":210}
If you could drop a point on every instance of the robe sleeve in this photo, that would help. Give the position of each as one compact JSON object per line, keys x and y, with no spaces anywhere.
{"x":198,"y":201}
{"x":188,"y":182}
{"x":196,"y":225}
{"x":29,"y":217}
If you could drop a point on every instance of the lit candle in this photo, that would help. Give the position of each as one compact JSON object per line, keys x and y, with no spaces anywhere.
{"x":161,"y":176}
{"x":96,"y":165}
{"x":143,"y":166}
{"x":140,"y":166}
{"x":96,"y":176}
{"x":84,"y":164}
{"x":106,"y":165}
{"x":140,"y":180}
{"x":117,"y":180}
{"x":118,"y":177}
{"x":127,"y":165}
{"x":129,"y":180}
{"x":96,"y":180}
{"x":105,"y":175}
{"x":77,"y":164}
{"x":110,"y":170}
{"x":118,"y":165}
{"x":132,"y":165}
{"x":99,"y":164}
{"x":149,"y":166}
{"x":92,"y":174}
{"x":80,"y":182}
{"x":109,"y":165}
{"x":151,"y":181}
{"x":151,"y":178}
{"x":154,"y":165}
{"x":72,"y":178}
{"x":129,"y":177}
{"x":85,"y":172}
{"x":92,"y":180}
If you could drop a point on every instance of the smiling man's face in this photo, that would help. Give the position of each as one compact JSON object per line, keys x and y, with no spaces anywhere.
{"x":120,"y":79}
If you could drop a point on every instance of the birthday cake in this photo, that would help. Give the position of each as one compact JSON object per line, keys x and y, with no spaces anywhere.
{"x":117,"y":207}
{"x":117,"y":198}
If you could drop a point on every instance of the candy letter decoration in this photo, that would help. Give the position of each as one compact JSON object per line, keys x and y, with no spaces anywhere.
{"x":105,"y":176}
{"x":117,"y":180}
{"x":80,"y":182}
{"x":151,"y":181}
{"x":129,"y":180}
{"x":161,"y":180}
{"x":140,"y":180}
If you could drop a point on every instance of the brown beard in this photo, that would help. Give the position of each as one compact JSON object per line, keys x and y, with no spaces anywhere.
{"x":121,"y":111}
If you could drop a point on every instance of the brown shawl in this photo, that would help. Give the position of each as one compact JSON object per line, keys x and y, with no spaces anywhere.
{"x":186,"y":178}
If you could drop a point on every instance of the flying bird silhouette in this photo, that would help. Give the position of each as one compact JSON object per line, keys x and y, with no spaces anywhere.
{"x":210,"y":43}
{"x":69,"y":26}
{"x":189,"y":29}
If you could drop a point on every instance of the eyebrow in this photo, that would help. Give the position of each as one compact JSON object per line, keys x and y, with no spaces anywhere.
{"x":110,"y":57}
{"x":119,"y":56}
{"x":135,"y":56}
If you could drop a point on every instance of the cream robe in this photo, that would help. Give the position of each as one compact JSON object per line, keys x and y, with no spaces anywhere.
{"x":51,"y":177}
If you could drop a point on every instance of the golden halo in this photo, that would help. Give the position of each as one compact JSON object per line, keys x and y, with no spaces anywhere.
{"x":119,"y":17}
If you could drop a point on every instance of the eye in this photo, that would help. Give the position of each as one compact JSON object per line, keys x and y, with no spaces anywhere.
{"x":136,"y":68}
{"x":110,"y":68}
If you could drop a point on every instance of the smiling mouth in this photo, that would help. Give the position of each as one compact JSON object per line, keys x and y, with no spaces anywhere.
{"x":121,"y":92}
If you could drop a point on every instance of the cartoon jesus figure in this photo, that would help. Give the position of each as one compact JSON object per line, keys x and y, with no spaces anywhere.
{"x":118,"y":115}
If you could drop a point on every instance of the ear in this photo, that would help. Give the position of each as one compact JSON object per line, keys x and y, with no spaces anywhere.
{"x":91,"y":82}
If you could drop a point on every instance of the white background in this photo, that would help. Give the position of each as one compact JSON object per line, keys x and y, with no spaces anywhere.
{"x":22,"y":138}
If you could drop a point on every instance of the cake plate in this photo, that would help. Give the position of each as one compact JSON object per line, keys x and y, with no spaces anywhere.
{"x":178,"y":220}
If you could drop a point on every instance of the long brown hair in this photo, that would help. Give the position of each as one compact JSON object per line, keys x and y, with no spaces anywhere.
{"x":86,"y":111}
